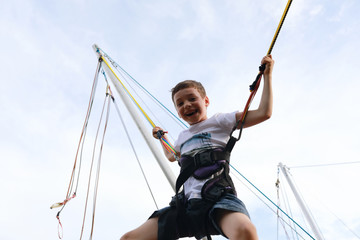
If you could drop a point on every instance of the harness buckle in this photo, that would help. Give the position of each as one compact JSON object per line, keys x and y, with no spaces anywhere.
{"x":203,"y":159}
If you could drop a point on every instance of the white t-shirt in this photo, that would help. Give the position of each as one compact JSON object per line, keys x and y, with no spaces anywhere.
{"x":211,"y":133}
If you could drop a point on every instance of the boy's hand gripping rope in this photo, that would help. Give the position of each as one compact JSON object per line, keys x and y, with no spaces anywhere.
{"x":167,"y":145}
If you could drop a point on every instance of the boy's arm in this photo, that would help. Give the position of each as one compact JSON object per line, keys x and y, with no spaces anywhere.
{"x":264,"y":110}
{"x":168,"y":154}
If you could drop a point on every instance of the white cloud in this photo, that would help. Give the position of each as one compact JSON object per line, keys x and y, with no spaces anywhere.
{"x":318,"y":9}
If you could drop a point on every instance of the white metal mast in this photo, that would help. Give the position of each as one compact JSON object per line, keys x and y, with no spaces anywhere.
{"x":301,"y":203}
{"x":159,"y":156}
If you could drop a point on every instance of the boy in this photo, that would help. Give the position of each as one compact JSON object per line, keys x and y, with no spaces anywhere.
{"x":208,"y":204}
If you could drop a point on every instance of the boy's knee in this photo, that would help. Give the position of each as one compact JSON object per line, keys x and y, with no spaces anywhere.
{"x":246,"y":230}
{"x":126,"y":236}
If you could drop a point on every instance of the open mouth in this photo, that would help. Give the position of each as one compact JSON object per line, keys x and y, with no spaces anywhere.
{"x":191,"y":113}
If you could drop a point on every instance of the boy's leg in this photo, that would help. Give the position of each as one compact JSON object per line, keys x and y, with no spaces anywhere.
{"x":147,"y":231}
{"x":236,"y":225}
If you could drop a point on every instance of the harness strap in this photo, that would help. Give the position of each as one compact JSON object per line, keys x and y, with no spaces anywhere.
{"x":231,"y":143}
{"x":190,"y":164}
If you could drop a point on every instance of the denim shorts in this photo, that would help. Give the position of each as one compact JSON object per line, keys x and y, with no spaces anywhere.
{"x":227,"y":202}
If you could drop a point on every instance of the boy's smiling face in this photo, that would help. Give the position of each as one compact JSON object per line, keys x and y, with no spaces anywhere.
{"x":190,"y":105}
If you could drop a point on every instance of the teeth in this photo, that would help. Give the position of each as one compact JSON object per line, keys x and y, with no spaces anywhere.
{"x":190,"y":114}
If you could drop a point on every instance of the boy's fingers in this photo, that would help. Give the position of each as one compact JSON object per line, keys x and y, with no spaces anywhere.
{"x":159,"y":134}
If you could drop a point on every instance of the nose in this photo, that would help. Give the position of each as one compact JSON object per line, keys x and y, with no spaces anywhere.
{"x":187,"y":104}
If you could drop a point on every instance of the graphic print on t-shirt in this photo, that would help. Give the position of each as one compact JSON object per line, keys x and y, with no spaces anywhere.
{"x":199,"y":140}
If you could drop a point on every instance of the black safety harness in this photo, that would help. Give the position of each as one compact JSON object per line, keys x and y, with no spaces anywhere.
{"x":190,"y":164}
{"x":217,"y":161}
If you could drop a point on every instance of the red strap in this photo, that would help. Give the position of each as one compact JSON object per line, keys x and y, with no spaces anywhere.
{"x":60,"y":227}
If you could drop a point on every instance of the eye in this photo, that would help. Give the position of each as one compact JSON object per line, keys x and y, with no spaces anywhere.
{"x":193,"y":99}
{"x":180,"y":104}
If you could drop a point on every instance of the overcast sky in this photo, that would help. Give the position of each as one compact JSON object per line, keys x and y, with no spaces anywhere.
{"x":48,"y":66}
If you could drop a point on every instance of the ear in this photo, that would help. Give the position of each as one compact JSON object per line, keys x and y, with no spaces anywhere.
{"x":207,"y":101}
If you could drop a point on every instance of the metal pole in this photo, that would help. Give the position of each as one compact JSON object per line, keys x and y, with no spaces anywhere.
{"x":301,"y":203}
{"x":146,"y":133}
